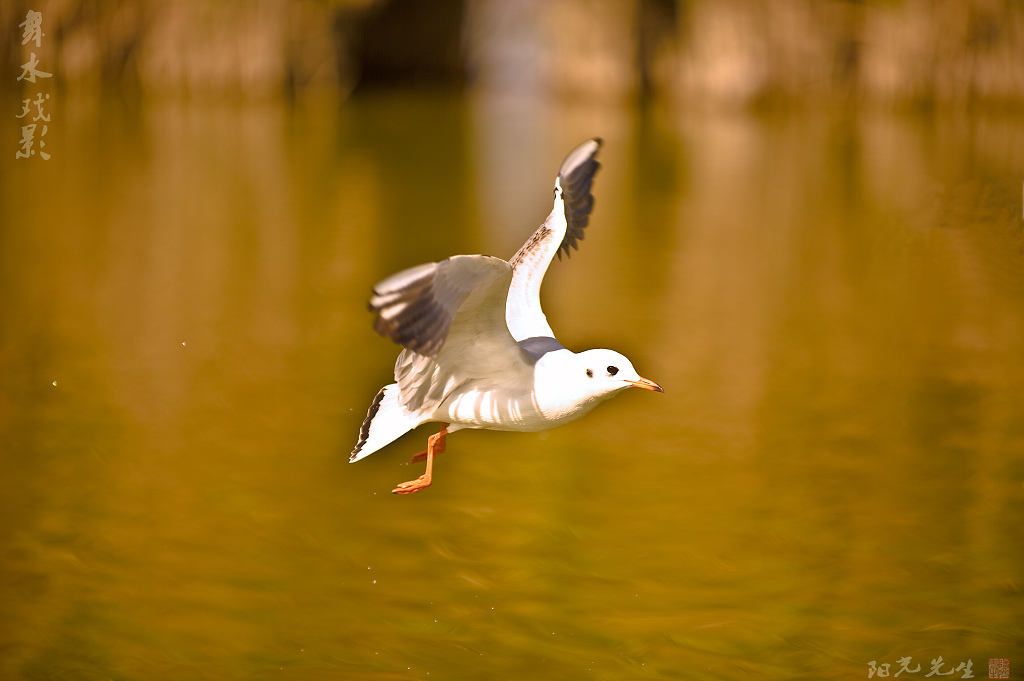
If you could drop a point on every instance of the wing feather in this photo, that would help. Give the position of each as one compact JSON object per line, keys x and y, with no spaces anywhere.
{"x":561,"y":231}
{"x":450,"y":316}
{"x":576,"y":176}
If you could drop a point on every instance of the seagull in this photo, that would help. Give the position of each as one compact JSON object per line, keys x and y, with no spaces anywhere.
{"x":478,"y":350}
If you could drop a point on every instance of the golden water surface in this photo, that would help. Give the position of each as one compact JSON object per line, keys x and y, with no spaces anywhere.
{"x":833,"y":302}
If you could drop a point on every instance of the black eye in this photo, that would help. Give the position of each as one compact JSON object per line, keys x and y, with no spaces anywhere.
{"x":590,"y":373}
{"x":613,"y":370}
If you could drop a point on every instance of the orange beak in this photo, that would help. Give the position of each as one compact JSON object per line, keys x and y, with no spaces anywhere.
{"x":646,"y":385}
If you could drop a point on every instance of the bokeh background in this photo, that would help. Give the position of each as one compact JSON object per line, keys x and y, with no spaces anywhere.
{"x":809,"y":229}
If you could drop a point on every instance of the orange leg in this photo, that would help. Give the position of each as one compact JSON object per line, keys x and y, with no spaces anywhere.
{"x":438,"y":446}
{"x":435,"y":445}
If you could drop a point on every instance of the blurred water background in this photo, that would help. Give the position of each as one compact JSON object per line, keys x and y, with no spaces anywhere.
{"x":809,"y":229}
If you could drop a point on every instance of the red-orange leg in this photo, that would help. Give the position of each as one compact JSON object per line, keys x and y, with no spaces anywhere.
{"x":435,"y":445}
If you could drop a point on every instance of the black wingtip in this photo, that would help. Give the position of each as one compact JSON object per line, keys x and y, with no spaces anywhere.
{"x":576,"y":177}
{"x":364,"y":430}
{"x":406,"y":311}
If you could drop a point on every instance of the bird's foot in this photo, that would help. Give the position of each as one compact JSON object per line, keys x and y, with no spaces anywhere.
{"x":435,"y":445}
{"x":413,"y":486}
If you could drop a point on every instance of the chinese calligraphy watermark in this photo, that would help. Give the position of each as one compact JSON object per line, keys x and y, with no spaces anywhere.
{"x":937,"y":665}
{"x":29,"y":70}
{"x":998,"y":668}
{"x":31,"y":132}
{"x":33,"y":26}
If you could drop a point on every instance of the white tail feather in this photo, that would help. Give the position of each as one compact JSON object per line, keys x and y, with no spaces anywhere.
{"x":385,"y":422}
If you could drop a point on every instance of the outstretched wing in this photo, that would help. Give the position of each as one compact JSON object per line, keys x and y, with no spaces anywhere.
{"x":450,"y":316}
{"x":416,"y":307}
{"x":560,"y":231}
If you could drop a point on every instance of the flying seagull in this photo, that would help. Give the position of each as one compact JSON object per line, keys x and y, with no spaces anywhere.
{"x":478,"y":351}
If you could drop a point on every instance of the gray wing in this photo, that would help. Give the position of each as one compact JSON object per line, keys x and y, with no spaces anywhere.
{"x":560,"y":231}
{"x":416,"y":306}
{"x":450,"y":316}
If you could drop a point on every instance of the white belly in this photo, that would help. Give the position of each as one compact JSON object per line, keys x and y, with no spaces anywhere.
{"x":500,"y":410}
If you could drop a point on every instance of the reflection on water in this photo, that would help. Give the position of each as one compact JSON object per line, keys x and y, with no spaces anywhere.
{"x":834,"y":304}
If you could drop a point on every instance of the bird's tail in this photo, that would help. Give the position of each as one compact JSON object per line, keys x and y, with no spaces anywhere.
{"x":385,"y":422}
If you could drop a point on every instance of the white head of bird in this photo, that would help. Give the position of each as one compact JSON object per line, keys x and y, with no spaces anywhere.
{"x":579,"y":381}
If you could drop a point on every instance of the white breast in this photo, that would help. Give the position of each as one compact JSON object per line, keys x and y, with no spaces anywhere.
{"x":548,"y":400}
